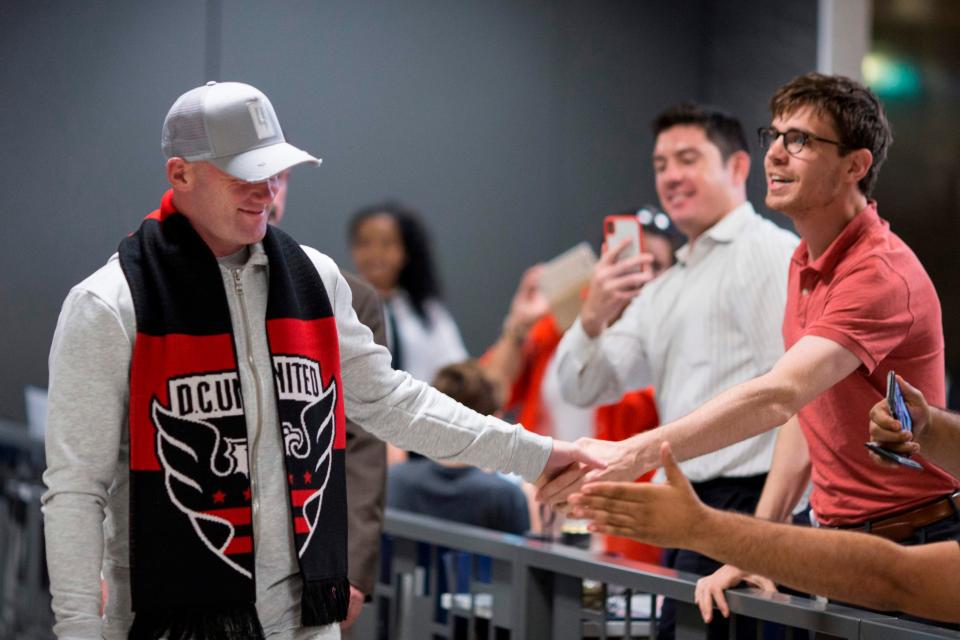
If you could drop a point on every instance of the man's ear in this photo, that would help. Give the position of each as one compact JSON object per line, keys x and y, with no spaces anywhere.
{"x":858,"y":164}
{"x":739,"y":163}
{"x":181,"y":175}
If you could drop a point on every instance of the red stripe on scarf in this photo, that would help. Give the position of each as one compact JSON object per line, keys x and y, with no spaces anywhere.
{"x":238,"y":516}
{"x":317,"y":340}
{"x":156,"y":359}
{"x":239,"y":544}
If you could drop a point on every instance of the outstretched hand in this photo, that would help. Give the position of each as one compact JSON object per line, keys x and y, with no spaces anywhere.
{"x":668,"y":515}
{"x":887,"y":431}
{"x":569,"y":461}
{"x":617,"y":464}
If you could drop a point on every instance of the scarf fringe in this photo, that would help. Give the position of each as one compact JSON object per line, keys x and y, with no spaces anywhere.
{"x":238,"y":622}
{"x":324,"y":602}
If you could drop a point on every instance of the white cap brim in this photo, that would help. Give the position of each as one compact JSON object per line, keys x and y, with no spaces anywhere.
{"x":259,"y":164}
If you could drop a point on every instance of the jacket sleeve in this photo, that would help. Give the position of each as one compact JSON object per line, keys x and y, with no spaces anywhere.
{"x":366,"y":463}
{"x":89,"y":364}
{"x":411,"y":414}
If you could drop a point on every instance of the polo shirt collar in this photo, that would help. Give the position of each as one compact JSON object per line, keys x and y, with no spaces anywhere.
{"x":729,"y":228}
{"x":861,"y":224}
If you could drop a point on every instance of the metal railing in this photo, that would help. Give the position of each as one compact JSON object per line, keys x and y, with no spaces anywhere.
{"x":441,"y":579}
{"x":24,"y":597}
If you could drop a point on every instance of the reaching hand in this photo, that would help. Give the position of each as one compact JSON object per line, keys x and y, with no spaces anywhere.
{"x":569,"y":460}
{"x":887,"y":431}
{"x":617,"y":465}
{"x":353,"y":608}
{"x":613,"y":285}
{"x":668,"y":515}
{"x":528,"y":303}
{"x":710,"y":589}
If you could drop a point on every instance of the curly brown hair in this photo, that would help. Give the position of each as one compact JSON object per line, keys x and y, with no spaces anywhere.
{"x":856,"y":112}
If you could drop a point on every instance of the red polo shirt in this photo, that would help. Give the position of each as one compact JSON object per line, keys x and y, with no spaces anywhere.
{"x":869,"y":293}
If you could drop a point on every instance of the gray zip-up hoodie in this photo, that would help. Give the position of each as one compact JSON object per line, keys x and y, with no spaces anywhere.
{"x":86,"y":503}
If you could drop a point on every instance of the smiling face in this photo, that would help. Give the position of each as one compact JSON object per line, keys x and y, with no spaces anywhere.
{"x":378,"y":252}
{"x":696,"y":186}
{"x":226,"y":212}
{"x":812,"y":179}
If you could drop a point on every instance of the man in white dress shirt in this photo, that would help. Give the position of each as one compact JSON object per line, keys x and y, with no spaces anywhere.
{"x":708,"y":323}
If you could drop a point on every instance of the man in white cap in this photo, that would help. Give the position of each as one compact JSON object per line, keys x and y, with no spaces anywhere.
{"x":199,"y":383}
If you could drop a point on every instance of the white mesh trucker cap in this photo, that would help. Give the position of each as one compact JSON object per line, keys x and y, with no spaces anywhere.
{"x":232,"y":126}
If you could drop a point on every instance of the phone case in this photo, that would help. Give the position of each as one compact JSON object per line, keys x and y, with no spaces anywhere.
{"x":896,"y":403}
{"x":617,"y":228}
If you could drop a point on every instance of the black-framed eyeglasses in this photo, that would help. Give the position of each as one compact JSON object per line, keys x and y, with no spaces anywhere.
{"x":793,"y":139}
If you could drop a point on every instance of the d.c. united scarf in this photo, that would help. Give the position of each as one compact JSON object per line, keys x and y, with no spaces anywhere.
{"x":191,"y":506}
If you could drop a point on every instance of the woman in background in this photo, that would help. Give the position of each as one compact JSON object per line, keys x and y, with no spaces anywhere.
{"x":391,"y":250}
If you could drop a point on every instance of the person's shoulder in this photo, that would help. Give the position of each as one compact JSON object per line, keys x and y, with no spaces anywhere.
{"x":327,"y":269}
{"x":107,"y":284}
{"x":764,"y":231}
{"x":323,"y":263}
{"x":766,"y":243}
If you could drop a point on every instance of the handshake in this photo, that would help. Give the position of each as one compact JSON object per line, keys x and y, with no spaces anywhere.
{"x":573,"y":465}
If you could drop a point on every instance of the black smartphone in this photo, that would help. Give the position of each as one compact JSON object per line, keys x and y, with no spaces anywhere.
{"x":898,"y":409}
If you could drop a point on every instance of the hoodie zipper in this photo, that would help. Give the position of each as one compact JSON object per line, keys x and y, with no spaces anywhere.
{"x":251,"y":449}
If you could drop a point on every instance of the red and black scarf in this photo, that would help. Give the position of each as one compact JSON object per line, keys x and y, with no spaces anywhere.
{"x":191,"y":507}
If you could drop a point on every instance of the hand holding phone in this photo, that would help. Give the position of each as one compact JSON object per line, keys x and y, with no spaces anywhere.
{"x":618,"y":229}
{"x":898,"y":409}
{"x":617,"y":278}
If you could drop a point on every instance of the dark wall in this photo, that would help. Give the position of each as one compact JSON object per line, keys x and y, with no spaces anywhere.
{"x":751,"y":47}
{"x":85,"y":88}
{"x":513,"y":125}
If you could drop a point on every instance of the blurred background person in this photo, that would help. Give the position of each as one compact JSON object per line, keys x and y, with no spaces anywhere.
{"x":522,"y":361}
{"x":390,"y":248}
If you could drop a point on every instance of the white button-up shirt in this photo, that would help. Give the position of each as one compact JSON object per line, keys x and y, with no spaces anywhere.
{"x":706,"y":324}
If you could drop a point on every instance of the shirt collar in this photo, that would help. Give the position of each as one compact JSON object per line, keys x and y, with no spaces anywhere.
{"x":729,"y":228}
{"x":249,"y":256}
{"x":861,"y":224}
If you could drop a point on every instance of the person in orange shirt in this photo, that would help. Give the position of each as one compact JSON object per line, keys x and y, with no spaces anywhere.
{"x":522,"y":363}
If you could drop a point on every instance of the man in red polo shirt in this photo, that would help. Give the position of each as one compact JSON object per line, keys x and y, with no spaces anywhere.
{"x":859,"y":304}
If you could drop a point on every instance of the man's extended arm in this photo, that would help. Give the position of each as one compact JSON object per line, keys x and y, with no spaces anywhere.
{"x":414,"y":416}
{"x":859,"y":568}
{"x":811,"y":366}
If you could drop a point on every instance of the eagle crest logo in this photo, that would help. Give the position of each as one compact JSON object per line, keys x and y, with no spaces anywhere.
{"x":203,"y":450}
